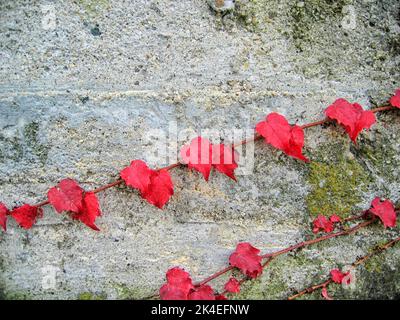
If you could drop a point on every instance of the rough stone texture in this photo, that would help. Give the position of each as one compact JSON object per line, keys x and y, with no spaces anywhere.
{"x":77,"y":100}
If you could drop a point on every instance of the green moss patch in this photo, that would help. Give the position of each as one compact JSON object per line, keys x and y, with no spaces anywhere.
{"x":335,"y":188}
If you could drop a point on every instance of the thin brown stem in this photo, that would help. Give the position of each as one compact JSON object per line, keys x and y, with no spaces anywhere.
{"x":273,"y":255}
{"x":359,"y":261}
{"x":243,"y":142}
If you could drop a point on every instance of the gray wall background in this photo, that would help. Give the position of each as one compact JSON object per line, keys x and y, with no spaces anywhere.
{"x":82,"y":83}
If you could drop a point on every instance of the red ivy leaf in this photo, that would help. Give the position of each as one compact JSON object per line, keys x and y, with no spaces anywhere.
{"x":204,"y":292}
{"x":385,"y":211}
{"x":67,"y":196}
{"x":322,"y":223}
{"x":246,"y":258}
{"x":90,"y":211}
{"x":337,"y":276}
{"x":201,"y":155}
{"x":3,"y":216}
{"x":26,"y":215}
{"x":224,"y":159}
{"x":198,"y":156}
{"x":232,"y":286}
{"x":137,"y":175}
{"x":154,"y":186}
{"x":160,"y":189}
{"x":335,"y":218}
{"x":395,"y":100}
{"x":280,"y":134}
{"x":178,"y":285}
{"x":325,"y":294}
{"x":351,"y":116}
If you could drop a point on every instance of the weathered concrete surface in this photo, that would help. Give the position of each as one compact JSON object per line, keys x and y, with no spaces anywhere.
{"x":77,"y":99}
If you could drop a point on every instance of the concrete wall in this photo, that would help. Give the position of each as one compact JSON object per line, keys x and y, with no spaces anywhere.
{"x":82,"y":83}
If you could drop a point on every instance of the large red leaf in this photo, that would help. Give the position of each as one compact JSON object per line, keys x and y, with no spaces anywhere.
{"x":26,"y":215}
{"x":90,"y":211}
{"x":154,"y":185}
{"x":351,"y":116}
{"x":246,"y":258}
{"x":137,"y":175}
{"x":3,"y":216}
{"x":66,"y":196}
{"x":201,"y":155}
{"x":198,"y":156}
{"x":160,"y":189}
{"x":69,"y":196}
{"x":385,"y":211}
{"x":178,"y":285}
{"x":280,"y":134}
{"x":395,"y":100}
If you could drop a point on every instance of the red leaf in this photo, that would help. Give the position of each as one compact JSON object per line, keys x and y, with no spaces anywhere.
{"x":204,"y":292}
{"x":395,"y":100}
{"x":335,"y":218}
{"x":178,"y":285}
{"x":322,"y":223}
{"x":220,"y":297}
{"x":351,"y":116}
{"x":3,"y":216}
{"x":66,"y":196}
{"x":154,"y":186}
{"x":26,"y":215}
{"x":246,"y":258}
{"x":280,"y":134}
{"x":337,"y":276}
{"x":137,"y":175}
{"x":160,"y":188}
{"x":198,"y":156}
{"x":224,"y":159}
{"x":385,"y":211}
{"x":325,"y":294}
{"x":69,"y":196}
{"x":232,"y":286}
{"x":201,"y":155}
{"x":90,"y":211}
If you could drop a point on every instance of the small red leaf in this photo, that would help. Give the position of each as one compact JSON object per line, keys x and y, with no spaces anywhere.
{"x":160,"y":188}
{"x":280,"y":134}
{"x":246,"y":258}
{"x":351,"y":116}
{"x":395,"y":100}
{"x":137,"y":175}
{"x":335,"y":218}
{"x":325,"y":294}
{"x":204,"y":292}
{"x":385,"y":211}
{"x":220,"y":297}
{"x":224,"y":159}
{"x":26,"y":215}
{"x":3,"y":216}
{"x":90,"y":211}
{"x":322,"y":223}
{"x":66,"y":196}
{"x":178,"y":285}
{"x":337,"y":276}
{"x":232,"y":286}
{"x":198,"y":156}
